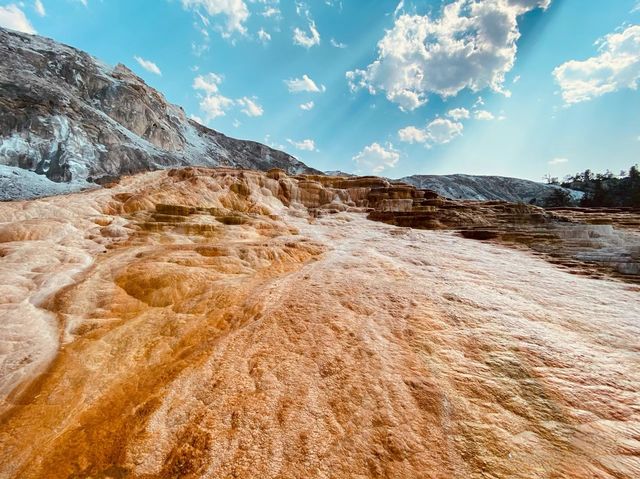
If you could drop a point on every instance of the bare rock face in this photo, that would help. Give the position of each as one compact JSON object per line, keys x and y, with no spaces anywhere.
{"x":69,"y":117}
{"x":207,"y":323}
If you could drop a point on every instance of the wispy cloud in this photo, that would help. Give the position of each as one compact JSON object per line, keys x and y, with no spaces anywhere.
{"x":301,"y":37}
{"x":304,"y":39}
{"x":558,"y":161}
{"x":207,"y":83}
{"x":484,"y":115}
{"x":304,"y":145}
{"x":250,"y":107}
{"x":304,"y":84}
{"x":271,"y":12}
{"x":214,"y":104}
{"x":263,"y":36}
{"x":13,"y":17}
{"x":40,"y":10}
{"x":148,"y":65}
{"x":235,"y":12}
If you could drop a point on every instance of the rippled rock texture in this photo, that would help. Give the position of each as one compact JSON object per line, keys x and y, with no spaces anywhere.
{"x":226,"y":323}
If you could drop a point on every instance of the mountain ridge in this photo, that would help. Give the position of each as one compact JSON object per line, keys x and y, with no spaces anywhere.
{"x":489,"y":188}
{"x":72,"y":118}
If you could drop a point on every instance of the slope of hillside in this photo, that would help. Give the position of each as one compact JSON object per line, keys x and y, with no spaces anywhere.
{"x":487,"y":188}
{"x":69,"y":117}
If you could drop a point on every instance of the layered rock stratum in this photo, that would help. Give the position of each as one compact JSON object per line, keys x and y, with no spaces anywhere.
{"x":73,"y":120}
{"x":227,"y":323}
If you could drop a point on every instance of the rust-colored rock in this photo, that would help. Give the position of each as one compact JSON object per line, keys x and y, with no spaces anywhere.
{"x":228,"y":323}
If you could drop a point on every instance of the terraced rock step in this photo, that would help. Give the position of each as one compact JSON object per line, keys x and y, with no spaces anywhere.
{"x":599,"y":242}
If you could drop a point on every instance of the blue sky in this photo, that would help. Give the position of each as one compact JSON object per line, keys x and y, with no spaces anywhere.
{"x":511,"y":87}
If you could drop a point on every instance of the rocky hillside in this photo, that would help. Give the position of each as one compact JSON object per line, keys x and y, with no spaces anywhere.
{"x":487,"y":188}
{"x":71,"y":118}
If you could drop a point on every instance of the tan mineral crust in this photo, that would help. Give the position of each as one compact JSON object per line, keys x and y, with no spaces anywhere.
{"x":233,"y":324}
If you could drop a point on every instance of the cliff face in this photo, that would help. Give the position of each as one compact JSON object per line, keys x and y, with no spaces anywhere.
{"x":70,"y":117}
{"x":226,"y":323}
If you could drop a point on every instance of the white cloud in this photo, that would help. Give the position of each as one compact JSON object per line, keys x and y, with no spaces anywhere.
{"x":271,"y":12}
{"x":307,"y":106}
{"x":214,"y":106}
{"x":558,"y":161}
{"x":484,"y":115}
{"x":334,"y":3}
{"x":272,"y":144}
{"x":636,"y":8}
{"x":236,"y":123}
{"x":305,"y":145}
{"x":303,"y":84}
{"x":376,"y":158}
{"x":442,"y":131}
{"x":471,"y":45}
{"x":399,"y":8}
{"x":616,"y":67}
{"x":13,"y":17}
{"x":39,"y":8}
{"x":458,"y":114}
{"x":250,"y":107}
{"x":197,"y":119}
{"x":411,"y":134}
{"x":302,"y":9}
{"x":235,"y":11}
{"x":148,"y":65}
{"x":263,"y":35}
{"x":304,"y":39}
{"x":199,"y":48}
{"x":335,"y":43}
{"x":439,"y":132}
{"x":207,"y":83}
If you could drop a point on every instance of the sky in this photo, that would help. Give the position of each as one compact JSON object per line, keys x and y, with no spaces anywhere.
{"x":522,"y":88}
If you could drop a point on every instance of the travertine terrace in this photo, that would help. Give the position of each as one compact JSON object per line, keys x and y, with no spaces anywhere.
{"x":226,"y":323}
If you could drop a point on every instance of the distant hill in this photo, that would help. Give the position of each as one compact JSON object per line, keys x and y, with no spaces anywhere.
{"x":485,"y":188}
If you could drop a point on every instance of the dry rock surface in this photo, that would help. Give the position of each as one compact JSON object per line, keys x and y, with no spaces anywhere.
{"x":227,"y":323}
